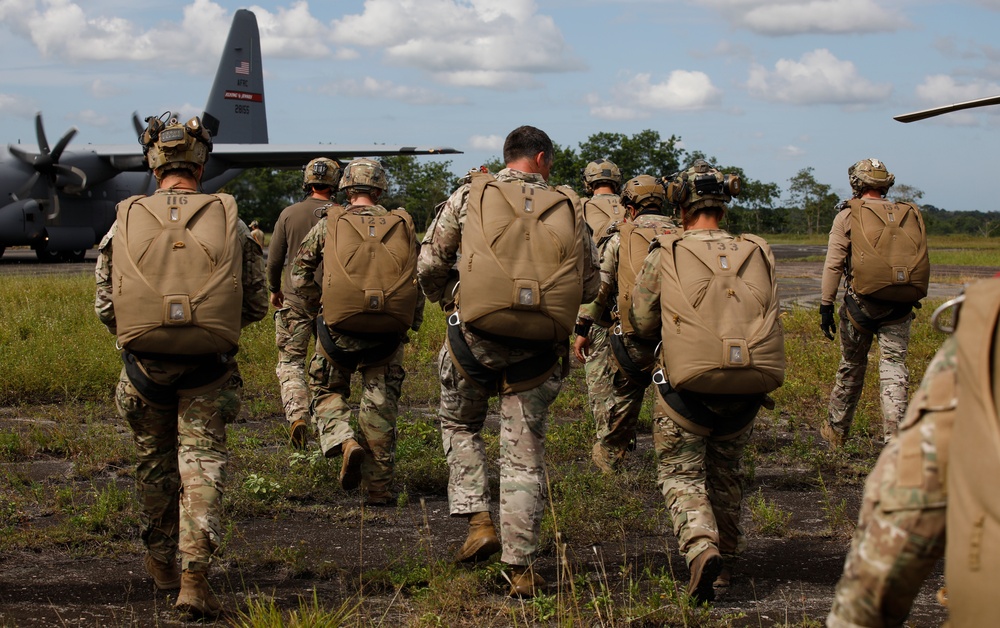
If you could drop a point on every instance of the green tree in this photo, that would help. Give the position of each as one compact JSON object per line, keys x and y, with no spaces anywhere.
{"x":643,"y":153}
{"x":812,"y":203}
{"x":261,"y":193}
{"x":417,"y":185}
{"x":753,"y":210}
{"x":902,"y":193}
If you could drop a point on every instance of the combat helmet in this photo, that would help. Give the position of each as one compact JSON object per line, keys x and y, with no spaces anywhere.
{"x":870,"y":174}
{"x":365,"y":174}
{"x":644,"y":191}
{"x":167,"y":142}
{"x":321,"y":171}
{"x":702,"y":185}
{"x":602,"y":170}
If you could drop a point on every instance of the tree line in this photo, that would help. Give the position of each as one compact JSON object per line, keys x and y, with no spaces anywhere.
{"x":805,"y":206}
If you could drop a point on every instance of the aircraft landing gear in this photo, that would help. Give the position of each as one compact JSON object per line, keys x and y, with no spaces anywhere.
{"x":45,"y":255}
{"x":76,"y":255}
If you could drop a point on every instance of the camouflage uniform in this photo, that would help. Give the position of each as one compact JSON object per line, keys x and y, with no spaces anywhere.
{"x":625,"y":396}
{"x":330,"y":382}
{"x":182,"y":453}
{"x":293,"y":327}
{"x":598,"y":369}
{"x":893,"y":341}
{"x":901,"y":527}
{"x":699,"y":472}
{"x":523,"y":415}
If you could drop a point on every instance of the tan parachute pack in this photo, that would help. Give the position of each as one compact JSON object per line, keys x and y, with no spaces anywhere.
{"x":632,"y":252}
{"x":177,"y":271}
{"x":973,"y":545}
{"x":369,"y":277}
{"x":601,"y":212}
{"x":719,"y":310}
{"x":888,"y":251}
{"x":521,"y":270}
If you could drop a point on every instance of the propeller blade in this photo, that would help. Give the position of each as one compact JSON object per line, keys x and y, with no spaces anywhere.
{"x":61,"y":145}
{"x":43,"y":143}
{"x":53,"y":203}
{"x":137,"y":123}
{"x":936,"y":111}
{"x":25,"y":189}
{"x":23,"y":155}
{"x":77,"y":173}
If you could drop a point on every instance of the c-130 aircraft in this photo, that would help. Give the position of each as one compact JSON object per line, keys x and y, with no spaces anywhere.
{"x":61,"y":202}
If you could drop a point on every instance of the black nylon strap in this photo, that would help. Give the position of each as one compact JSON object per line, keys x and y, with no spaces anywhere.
{"x":350,"y":360}
{"x":689,"y":406}
{"x":635,"y":374}
{"x":166,"y":395}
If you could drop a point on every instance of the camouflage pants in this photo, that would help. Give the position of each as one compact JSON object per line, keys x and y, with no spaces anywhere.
{"x":331,"y":388}
{"x":523,"y":422}
{"x":293,"y":330}
{"x":901,"y":527}
{"x":894,"y":377}
{"x":599,"y":370}
{"x":181,"y":472}
{"x":626,"y":402}
{"x":702,"y":481}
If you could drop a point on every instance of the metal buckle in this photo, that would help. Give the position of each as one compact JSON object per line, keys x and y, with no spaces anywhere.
{"x":939,"y":324}
{"x":659,"y":378}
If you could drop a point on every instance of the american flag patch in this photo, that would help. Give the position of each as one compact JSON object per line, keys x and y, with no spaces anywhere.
{"x":243,"y":67}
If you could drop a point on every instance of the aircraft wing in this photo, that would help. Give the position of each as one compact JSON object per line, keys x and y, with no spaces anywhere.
{"x":128,"y":158}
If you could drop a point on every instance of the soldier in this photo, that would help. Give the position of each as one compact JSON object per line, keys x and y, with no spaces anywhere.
{"x":369,"y":300}
{"x":699,"y":434}
{"x":901,"y":527}
{"x":868,"y":313}
{"x":628,"y":375}
{"x":292,"y":333}
{"x":256,"y":233}
{"x":506,"y":337}
{"x":180,"y":385}
{"x":603,"y":210}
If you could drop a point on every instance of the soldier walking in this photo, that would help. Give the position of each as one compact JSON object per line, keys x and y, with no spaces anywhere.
{"x":885,"y":279}
{"x":631,"y":357}
{"x":165,"y":287}
{"x":711,"y":299}
{"x":527,"y":262}
{"x":370,"y":299}
{"x":294,"y":327}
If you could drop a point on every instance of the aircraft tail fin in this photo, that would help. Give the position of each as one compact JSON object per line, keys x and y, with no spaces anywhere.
{"x":235,"y":112}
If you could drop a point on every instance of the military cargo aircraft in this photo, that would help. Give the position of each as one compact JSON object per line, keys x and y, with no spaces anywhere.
{"x":61,"y":201}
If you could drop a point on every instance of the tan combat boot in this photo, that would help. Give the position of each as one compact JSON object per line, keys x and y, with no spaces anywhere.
{"x":299,"y":434}
{"x":831,"y":435}
{"x":196,"y":598}
{"x":350,"y":468}
{"x":166,"y":576}
{"x":524,"y":582}
{"x":602,"y":459}
{"x":705,"y":568}
{"x":482,"y":541}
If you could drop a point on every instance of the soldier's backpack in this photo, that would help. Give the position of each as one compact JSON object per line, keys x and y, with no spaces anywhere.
{"x":719,"y":310}
{"x":888,"y":251}
{"x":369,"y":276}
{"x":177,"y":270}
{"x":601,"y":212}
{"x":521,"y":270}
{"x":632,"y":252}
{"x":972,"y":559}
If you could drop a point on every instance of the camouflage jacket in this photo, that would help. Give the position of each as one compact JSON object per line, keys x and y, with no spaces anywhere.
{"x":440,"y":246}
{"x":290,"y":229}
{"x":255,"y":303}
{"x":608,"y":293}
{"x":307,"y":290}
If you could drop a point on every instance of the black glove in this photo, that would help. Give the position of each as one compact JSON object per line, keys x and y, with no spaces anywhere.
{"x":826,"y":322}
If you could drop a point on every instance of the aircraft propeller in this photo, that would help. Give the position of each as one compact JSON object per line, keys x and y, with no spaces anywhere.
{"x":46,"y":162}
{"x":936,"y":111}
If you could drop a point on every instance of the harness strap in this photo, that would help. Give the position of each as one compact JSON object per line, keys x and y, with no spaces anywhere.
{"x":166,"y":394}
{"x":351,"y":360}
{"x":638,"y":376}
{"x":690,"y":406}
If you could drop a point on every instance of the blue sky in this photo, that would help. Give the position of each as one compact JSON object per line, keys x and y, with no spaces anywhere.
{"x":772,"y":86}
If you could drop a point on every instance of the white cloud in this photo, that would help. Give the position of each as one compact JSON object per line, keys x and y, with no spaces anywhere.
{"x":480,"y":43}
{"x":791,"y":151}
{"x":373,"y":88}
{"x":794,"y":17}
{"x":487,"y":142}
{"x":817,"y":78}
{"x":15,"y":106}
{"x":103,"y":89}
{"x":291,"y":33}
{"x":941,"y":89}
{"x":92,"y":118}
{"x":639,"y":96}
